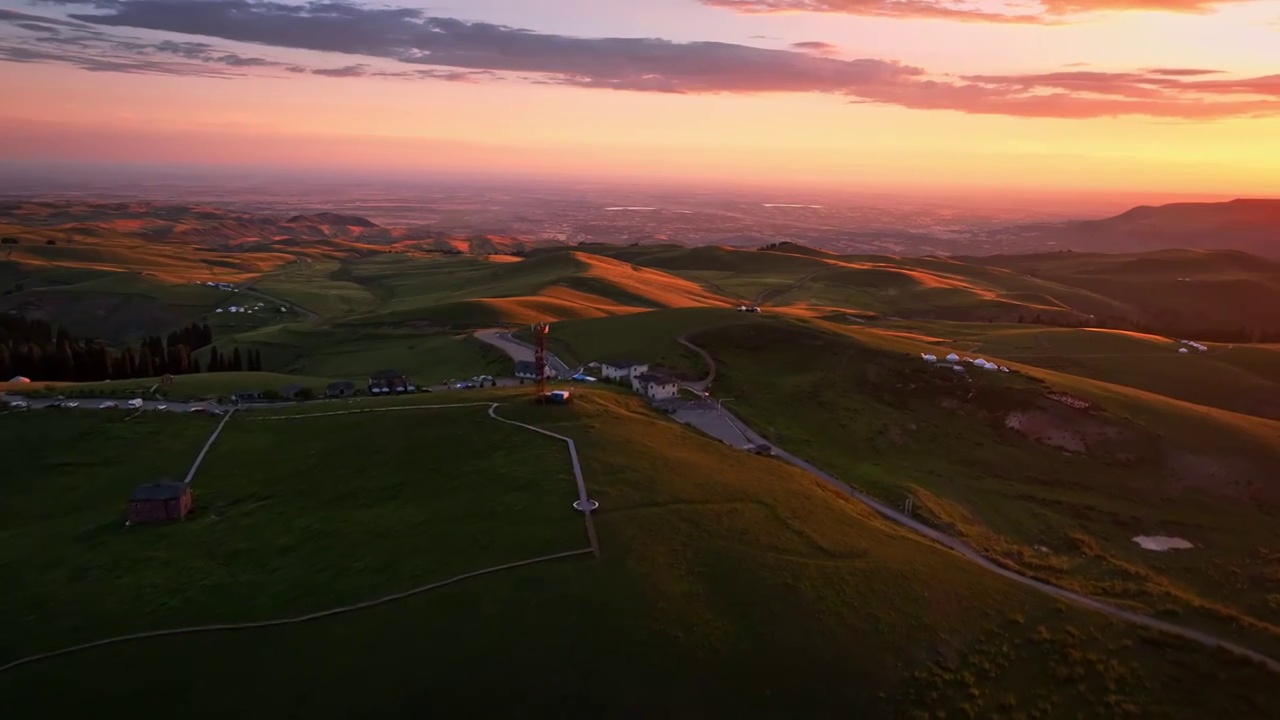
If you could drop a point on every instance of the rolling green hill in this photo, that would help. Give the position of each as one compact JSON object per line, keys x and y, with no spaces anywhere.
{"x":727,"y":582}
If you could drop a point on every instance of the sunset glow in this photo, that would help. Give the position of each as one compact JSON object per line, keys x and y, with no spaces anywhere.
{"x":1175,"y":96}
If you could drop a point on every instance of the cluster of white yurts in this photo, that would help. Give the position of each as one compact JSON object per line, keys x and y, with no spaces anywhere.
{"x":955,"y":361}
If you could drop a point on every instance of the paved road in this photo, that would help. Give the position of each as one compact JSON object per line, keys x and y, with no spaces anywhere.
{"x":249,"y":288}
{"x":520,"y":351}
{"x":712,"y":422}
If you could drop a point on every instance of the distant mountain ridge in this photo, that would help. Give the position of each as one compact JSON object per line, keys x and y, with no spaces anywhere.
{"x":1248,"y":225}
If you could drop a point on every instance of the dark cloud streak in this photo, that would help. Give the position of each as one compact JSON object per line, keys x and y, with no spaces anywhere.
{"x":454,"y":50}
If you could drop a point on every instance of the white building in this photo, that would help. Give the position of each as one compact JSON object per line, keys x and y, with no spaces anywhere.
{"x":622,"y":369}
{"x":952,"y":358}
{"x":655,"y":386}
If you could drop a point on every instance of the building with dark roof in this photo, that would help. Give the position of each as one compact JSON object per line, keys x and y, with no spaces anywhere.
{"x":528,"y":370}
{"x":655,"y":386}
{"x":159,"y":503}
{"x":389,"y":381}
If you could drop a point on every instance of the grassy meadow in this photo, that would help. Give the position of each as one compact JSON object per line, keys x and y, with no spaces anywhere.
{"x":728,"y":583}
{"x":900,"y":428}
{"x":291,"y":516}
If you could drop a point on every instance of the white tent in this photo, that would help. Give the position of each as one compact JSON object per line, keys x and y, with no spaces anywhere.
{"x":991,"y":366}
{"x":953,"y":358}
{"x":967,"y":359}
{"x":1184,"y":351}
{"x":929,"y":358}
{"x":980,"y":362}
{"x":20,"y":379}
{"x":1004,"y":369}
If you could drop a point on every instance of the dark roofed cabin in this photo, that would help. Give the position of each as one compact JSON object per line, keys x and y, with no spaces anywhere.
{"x":160,"y":503}
{"x":388,"y":381}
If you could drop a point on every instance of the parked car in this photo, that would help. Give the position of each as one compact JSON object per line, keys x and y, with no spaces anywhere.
{"x":109,"y":405}
{"x":162,"y":407}
{"x":71,"y":404}
{"x":135,"y":403}
{"x":199,"y":409}
{"x":19,"y":404}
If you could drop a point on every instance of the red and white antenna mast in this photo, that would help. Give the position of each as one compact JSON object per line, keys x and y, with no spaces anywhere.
{"x":540,"y":331}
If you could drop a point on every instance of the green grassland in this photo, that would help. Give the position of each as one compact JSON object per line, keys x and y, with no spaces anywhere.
{"x":355,"y":352}
{"x":728,"y":584}
{"x":184,"y":387}
{"x":650,"y":337}
{"x":900,"y":428}
{"x":287,"y":519}
{"x":1242,"y":378}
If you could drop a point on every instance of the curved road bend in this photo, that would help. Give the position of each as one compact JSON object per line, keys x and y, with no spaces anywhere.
{"x":963,"y":549}
{"x":519,"y":350}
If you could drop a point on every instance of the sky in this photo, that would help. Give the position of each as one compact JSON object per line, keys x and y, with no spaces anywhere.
{"x":1150,"y":97}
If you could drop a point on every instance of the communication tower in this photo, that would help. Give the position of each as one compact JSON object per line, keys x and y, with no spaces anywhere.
{"x":540,"y":331}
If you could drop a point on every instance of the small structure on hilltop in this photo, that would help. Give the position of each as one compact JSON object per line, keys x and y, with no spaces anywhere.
{"x":929,"y":358}
{"x":1184,"y":351}
{"x":159,"y":503}
{"x":953,"y":358}
{"x":19,"y":379}
{"x":342,"y":388}
{"x":622,"y":369}
{"x":528,"y":370}
{"x":385,"y":382}
{"x":656,"y":386}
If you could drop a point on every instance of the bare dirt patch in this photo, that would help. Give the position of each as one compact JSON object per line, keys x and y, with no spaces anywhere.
{"x":1162,"y":543}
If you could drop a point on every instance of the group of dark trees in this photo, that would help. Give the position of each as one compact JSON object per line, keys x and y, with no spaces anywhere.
{"x":1170,"y":328}
{"x":235,"y":362}
{"x":38,"y":350}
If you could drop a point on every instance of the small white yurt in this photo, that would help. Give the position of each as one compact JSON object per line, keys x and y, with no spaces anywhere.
{"x":1004,"y":369}
{"x":991,"y":366}
{"x":980,"y":362}
{"x":930,"y":358}
{"x":953,"y":358}
{"x":20,"y":379}
{"x":1184,"y":351}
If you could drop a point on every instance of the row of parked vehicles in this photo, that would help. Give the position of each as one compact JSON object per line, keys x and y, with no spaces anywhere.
{"x":134,"y":404}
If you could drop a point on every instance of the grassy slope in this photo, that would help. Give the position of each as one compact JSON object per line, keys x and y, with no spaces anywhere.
{"x":1223,"y":288}
{"x":1243,"y":378}
{"x":730,"y":584}
{"x":275,"y":532}
{"x":184,"y":387}
{"x":649,"y":337}
{"x":879,"y":421}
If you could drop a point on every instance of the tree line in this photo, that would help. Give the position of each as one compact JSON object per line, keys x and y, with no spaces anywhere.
{"x":38,"y":350}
